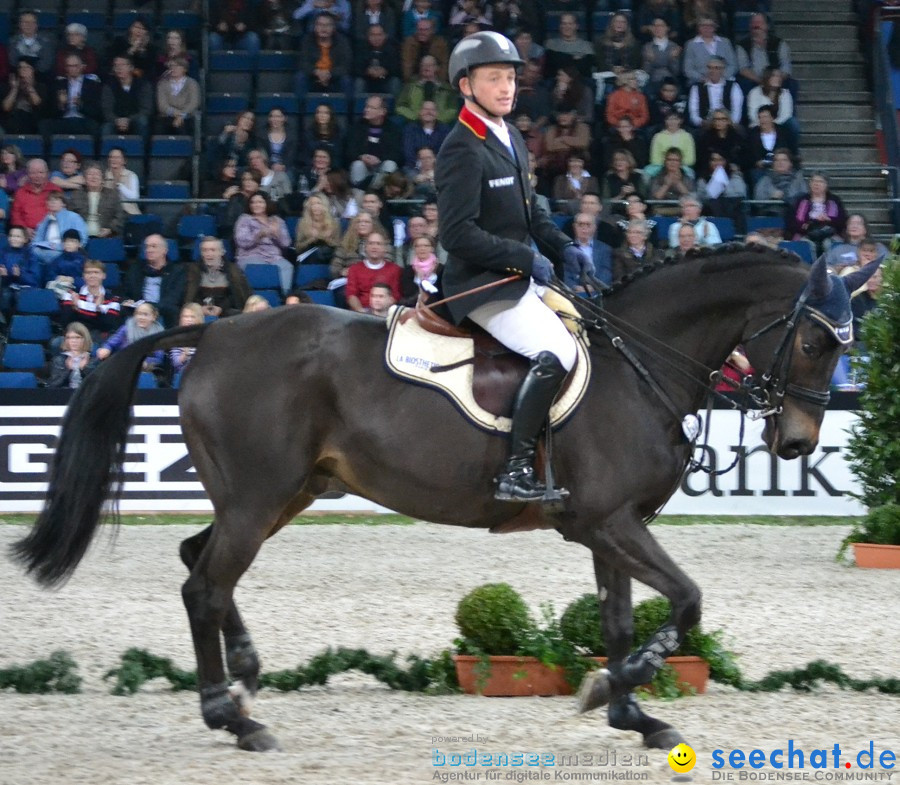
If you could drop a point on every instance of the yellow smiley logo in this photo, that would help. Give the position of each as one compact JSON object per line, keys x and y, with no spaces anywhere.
{"x":682,"y":758}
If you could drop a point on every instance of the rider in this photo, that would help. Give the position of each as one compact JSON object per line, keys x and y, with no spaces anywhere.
{"x":492,"y":228}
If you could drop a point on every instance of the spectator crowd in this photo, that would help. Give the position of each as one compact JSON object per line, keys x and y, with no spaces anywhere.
{"x":649,"y":124}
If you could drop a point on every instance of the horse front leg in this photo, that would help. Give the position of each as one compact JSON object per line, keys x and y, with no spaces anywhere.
{"x":208,"y":597}
{"x":624,"y":549}
{"x":613,"y":687}
{"x":240,"y":653}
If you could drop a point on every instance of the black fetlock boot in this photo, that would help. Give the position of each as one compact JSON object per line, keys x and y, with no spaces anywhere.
{"x":518,"y":482}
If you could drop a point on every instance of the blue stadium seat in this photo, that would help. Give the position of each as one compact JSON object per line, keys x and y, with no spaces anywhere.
{"x":171,"y":146}
{"x":322,"y":297}
{"x":92,"y":20}
{"x":132,"y":145}
{"x":230,"y":72}
{"x":37,"y":301}
{"x":663,"y":224}
{"x":307,"y":273}
{"x":83,"y":143}
{"x":742,"y":24}
{"x":276,"y":60}
{"x":4,"y":242}
{"x":291,"y":222}
{"x":803,"y":248}
{"x":725,"y":227}
{"x":18,"y":380}
{"x":226,"y":103}
{"x":146,"y":381}
{"x":169,"y":189}
{"x":193,"y":226}
{"x":122,"y":19}
{"x":30,"y":145}
{"x":285,"y":101}
{"x":273,"y":296}
{"x":599,"y":21}
{"x":176,"y":380}
{"x":30,"y":329}
{"x":759,"y":223}
{"x":4,"y":29}
{"x":113,"y":278}
{"x":337,"y":102}
{"x":24,"y":357}
{"x":106,"y":249}
{"x":262,"y":276}
{"x":560,"y":220}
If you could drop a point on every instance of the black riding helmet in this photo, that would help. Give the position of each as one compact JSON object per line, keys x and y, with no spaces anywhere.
{"x":484,"y":48}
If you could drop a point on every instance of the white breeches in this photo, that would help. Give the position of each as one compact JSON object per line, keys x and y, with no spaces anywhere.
{"x":527,"y":326}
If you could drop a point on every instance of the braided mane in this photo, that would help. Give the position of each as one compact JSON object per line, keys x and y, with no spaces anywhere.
{"x":765,"y":255}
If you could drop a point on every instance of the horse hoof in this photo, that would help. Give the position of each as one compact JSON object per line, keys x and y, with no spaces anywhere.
{"x":595,"y":691}
{"x":663,"y":739}
{"x":259,"y":741}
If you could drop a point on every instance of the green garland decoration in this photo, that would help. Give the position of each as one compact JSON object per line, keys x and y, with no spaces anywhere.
{"x":432,"y":676}
{"x":437,"y":676}
{"x":55,"y":674}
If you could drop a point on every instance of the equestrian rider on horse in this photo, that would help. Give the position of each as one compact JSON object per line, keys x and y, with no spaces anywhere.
{"x":492,"y":228}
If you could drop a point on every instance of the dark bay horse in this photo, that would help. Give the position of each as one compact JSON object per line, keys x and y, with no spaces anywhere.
{"x":280,"y":407}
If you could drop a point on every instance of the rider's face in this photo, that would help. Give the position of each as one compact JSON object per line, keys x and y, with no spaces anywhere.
{"x":494,"y":86}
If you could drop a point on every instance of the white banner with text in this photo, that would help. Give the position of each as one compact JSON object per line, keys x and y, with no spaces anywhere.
{"x":159,"y":475}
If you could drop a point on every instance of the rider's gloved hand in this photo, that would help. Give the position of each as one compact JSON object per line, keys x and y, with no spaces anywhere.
{"x":541,"y":269}
{"x":577,"y":260}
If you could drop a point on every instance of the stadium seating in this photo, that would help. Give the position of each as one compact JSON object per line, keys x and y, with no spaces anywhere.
{"x":28,"y":144}
{"x":307,"y":273}
{"x":230,"y":72}
{"x":322,"y":297}
{"x":106,"y":249}
{"x":803,"y":248}
{"x":276,"y":72}
{"x":759,"y":223}
{"x":146,"y":381}
{"x":725,"y":227}
{"x":21,"y":380}
{"x":30,"y":329}
{"x":133,"y":146}
{"x":262,"y":277}
{"x":37,"y":301}
{"x":24,"y":357}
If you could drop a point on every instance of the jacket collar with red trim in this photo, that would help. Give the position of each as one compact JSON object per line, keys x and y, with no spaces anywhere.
{"x":474,"y":123}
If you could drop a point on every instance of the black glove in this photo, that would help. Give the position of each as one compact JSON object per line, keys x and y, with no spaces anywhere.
{"x":541,"y":269}
{"x":577,"y":259}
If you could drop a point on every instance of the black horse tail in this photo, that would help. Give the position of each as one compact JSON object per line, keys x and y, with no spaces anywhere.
{"x":88,"y":460}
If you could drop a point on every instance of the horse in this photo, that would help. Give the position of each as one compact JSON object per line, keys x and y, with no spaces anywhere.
{"x":280,"y":407}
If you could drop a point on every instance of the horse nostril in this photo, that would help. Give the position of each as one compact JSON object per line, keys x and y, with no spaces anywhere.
{"x":796,"y":447}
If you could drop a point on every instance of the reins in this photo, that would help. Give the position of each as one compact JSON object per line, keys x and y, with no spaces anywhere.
{"x":757,"y":402}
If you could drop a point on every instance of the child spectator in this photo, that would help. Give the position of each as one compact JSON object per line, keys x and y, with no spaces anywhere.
{"x":66,"y":270}
{"x":180,"y":356}
{"x":74,"y":362}
{"x":256,"y":302}
{"x":18,"y":268}
{"x":92,"y":304}
{"x":142,"y":324}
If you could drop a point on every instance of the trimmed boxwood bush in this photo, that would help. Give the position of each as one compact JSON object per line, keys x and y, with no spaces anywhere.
{"x":494,"y":618}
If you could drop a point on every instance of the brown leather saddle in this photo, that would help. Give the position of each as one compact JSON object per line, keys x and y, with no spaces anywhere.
{"x":497,"y":372}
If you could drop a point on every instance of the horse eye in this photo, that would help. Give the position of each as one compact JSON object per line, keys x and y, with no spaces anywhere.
{"x":810,"y":350}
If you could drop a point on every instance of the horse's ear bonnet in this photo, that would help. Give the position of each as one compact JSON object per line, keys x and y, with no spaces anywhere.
{"x":828,"y":297}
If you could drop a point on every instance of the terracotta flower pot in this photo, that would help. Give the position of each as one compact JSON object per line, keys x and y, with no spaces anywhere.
{"x":512,"y":676}
{"x":869,"y":555}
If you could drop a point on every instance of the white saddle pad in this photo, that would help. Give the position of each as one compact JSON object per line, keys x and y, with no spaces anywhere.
{"x":411,"y":352}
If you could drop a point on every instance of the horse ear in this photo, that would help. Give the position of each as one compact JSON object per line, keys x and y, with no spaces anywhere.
{"x":819,"y":285}
{"x":858,"y":277}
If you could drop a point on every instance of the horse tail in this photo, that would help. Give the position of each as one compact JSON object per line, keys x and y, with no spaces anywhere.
{"x":88,"y":460}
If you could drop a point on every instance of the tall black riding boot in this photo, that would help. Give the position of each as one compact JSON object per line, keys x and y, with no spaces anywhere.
{"x":517,"y":482}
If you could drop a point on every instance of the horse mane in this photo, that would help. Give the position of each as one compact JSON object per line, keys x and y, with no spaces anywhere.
{"x":764,"y":255}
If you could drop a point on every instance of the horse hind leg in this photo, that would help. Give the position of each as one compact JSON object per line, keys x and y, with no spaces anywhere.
{"x":229,"y":548}
{"x":240,"y":653}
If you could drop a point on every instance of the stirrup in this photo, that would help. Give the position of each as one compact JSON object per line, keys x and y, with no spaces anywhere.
{"x":519,"y":484}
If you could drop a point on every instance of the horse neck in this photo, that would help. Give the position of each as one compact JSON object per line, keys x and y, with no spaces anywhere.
{"x":702,"y":307}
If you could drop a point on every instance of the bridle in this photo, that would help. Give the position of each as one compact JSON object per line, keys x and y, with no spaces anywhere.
{"x":774,"y":386}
